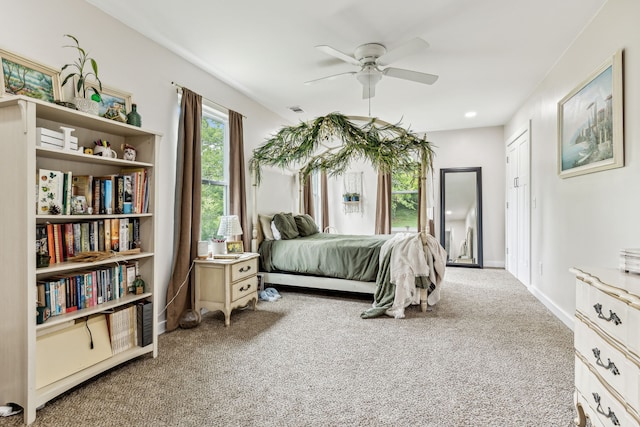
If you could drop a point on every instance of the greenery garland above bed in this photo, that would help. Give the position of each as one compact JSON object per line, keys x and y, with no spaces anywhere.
{"x":387,"y":147}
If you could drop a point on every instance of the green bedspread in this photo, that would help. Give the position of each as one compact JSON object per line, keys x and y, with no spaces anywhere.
{"x":343,"y":256}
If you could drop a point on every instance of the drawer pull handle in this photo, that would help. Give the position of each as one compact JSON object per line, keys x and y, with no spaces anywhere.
{"x":612,"y":316}
{"x":611,"y":414}
{"x":610,"y":365}
{"x":245,"y":269}
{"x":243,"y":289}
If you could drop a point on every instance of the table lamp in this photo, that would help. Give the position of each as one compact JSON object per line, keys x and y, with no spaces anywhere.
{"x":229,"y":227}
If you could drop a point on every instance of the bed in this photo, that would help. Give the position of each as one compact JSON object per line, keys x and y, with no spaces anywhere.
{"x":293,"y":252}
{"x":402,"y":268}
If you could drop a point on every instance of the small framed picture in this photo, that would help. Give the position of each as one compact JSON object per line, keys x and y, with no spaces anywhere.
{"x":235,"y":247}
{"x":115,"y":104}
{"x":23,"y":76}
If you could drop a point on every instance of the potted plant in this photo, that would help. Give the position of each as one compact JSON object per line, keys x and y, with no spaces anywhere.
{"x":81,"y":76}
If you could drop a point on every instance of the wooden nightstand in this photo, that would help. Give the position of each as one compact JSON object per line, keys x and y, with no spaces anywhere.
{"x":225,"y":284}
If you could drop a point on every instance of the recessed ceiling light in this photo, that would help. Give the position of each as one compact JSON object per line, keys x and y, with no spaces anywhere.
{"x":448,"y":212}
{"x":470,"y":114}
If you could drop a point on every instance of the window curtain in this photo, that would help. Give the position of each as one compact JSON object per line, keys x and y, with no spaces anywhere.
{"x":383,"y":204}
{"x":187,"y":207}
{"x":324,"y":200}
{"x":307,"y":195}
{"x":237,"y":192}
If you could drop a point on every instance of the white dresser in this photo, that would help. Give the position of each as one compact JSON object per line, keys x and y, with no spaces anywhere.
{"x":607,"y":346}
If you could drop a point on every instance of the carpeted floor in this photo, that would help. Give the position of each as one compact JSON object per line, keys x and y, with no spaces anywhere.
{"x":489,"y":354}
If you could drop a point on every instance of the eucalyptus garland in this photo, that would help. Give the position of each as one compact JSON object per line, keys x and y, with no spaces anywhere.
{"x":308,"y":146}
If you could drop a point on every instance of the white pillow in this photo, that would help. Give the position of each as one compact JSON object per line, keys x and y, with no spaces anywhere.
{"x":274,"y":230}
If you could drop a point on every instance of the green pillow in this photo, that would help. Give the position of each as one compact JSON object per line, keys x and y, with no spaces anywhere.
{"x":306,"y":225}
{"x":286,"y":225}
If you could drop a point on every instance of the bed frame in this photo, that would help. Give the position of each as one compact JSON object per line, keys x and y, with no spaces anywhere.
{"x":327,"y":282}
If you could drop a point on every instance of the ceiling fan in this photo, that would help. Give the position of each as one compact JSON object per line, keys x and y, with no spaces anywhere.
{"x":370,"y":57}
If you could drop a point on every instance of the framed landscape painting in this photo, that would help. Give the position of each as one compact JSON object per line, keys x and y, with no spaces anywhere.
{"x":112,"y":100}
{"x":21,"y":76}
{"x":590,"y":129}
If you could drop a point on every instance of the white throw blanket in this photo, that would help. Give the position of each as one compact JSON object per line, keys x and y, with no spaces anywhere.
{"x":408,"y":261}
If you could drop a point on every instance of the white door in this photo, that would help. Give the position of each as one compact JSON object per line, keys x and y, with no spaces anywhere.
{"x":518,"y":209}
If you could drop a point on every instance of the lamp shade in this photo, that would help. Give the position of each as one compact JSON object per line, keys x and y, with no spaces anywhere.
{"x":229,"y":226}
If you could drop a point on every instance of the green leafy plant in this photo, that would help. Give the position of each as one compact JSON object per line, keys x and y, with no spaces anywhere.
{"x":308,"y":147}
{"x":79,"y":66}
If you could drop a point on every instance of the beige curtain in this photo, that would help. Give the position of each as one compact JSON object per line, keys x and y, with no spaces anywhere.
{"x":187,"y":207}
{"x":324,"y":200}
{"x":237,"y":193}
{"x":383,"y":204}
{"x":307,"y":197}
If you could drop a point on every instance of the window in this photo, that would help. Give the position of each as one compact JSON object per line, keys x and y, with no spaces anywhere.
{"x":215,"y":175}
{"x":404,"y":201}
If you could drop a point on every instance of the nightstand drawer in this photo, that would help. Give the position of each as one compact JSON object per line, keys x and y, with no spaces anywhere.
{"x":604,"y":310}
{"x":244,"y":287}
{"x":243,"y":269}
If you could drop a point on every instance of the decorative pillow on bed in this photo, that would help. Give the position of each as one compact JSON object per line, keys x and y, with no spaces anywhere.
{"x":286,"y":225}
{"x":306,"y":225}
{"x":274,"y":231}
{"x":265,"y":226}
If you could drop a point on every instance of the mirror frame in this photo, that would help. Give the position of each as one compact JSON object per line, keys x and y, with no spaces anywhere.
{"x":443,"y":174}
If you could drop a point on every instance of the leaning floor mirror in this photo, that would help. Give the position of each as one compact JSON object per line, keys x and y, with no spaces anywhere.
{"x":461,"y":216}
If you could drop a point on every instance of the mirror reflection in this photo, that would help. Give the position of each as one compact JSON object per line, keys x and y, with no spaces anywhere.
{"x":461,"y":216}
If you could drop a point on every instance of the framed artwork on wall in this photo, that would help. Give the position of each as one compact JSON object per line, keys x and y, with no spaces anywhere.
{"x":590,"y":129}
{"x":21,"y":76}
{"x":114,"y":102}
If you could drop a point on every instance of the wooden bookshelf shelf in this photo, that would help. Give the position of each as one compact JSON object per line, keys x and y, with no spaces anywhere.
{"x":23,"y":341}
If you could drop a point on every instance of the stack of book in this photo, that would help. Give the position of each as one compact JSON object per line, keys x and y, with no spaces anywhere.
{"x":630,"y":260}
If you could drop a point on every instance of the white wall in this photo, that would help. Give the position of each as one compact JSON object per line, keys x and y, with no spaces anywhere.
{"x":583,"y":220}
{"x":132,"y":63}
{"x":477,"y":147}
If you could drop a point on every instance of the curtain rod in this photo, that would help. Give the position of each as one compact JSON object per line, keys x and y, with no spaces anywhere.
{"x":180,"y":87}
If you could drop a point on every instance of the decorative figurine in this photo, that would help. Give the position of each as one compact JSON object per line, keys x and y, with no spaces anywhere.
{"x":129,"y":152}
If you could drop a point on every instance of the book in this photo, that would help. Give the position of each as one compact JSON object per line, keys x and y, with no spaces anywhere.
{"x":68,"y":239}
{"x":50,"y":242}
{"x":57,"y":242}
{"x":107,"y":235}
{"x":123,"y":244}
{"x":101,"y":235}
{"x":50,"y":190}
{"x":42,"y":246}
{"x":84,"y":237}
{"x":115,"y":234}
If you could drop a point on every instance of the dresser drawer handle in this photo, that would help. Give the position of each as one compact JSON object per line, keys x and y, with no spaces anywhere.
{"x":243,"y":289}
{"x":610,"y":365}
{"x":244,"y":269}
{"x":611,"y":414}
{"x":612,"y":316}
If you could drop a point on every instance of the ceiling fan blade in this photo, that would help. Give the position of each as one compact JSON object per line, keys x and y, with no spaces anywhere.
{"x":337,"y":54}
{"x":411,"y":47}
{"x":414,"y":76}
{"x":335,"y":76}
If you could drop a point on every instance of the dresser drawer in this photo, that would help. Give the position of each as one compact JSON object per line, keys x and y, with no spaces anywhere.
{"x":612,"y":366}
{"x":603,"y":310}
{"x":604,"y":408}
{"x":244,"y":269}
{"x":244,"y":287}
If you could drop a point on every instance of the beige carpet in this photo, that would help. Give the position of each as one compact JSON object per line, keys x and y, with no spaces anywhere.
{"x":488,"y":355}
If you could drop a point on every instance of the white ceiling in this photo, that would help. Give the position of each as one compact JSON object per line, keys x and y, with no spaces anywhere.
{"x":489,"y":54}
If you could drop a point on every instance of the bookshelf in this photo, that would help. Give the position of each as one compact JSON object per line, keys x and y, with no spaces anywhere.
{"x":22,"y":338}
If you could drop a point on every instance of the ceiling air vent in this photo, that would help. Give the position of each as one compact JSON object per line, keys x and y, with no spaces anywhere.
{"x":296,"y":109}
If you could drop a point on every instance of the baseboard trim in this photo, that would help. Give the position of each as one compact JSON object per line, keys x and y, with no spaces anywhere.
{"x":564,"y":317}
{"x":493,"y":264}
